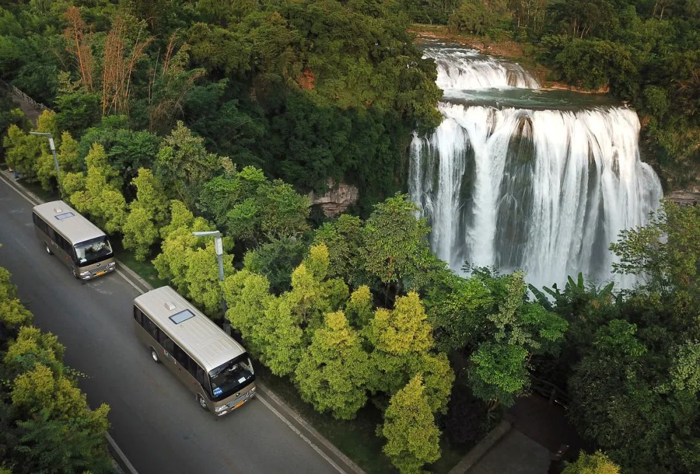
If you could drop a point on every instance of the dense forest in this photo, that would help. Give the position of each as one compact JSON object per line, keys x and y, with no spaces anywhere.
{"x":645,"y":52}
{"x":174,"y":116}
{"x":308,"y":91}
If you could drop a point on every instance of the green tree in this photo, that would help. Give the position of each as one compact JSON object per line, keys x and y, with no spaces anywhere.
{"x":12,"y":313}
{"x":666,"y":251}
{"x":101,"y":198}
{"x":333,"y":372}
{"x":29,"y":155}
{"x":183,"y":164}
{"x":148,"y":213}
{"x":395,"y":249}
{"x":190,"y":262}
{"x":409,"y":427}
{"x":597,"y":463}
{"x":344,"y":240}
{"x":247,"y":297}
{"x":359,"y":307}
{"x":402,"y":346}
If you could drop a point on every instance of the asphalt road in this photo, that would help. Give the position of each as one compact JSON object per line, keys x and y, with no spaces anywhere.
{"x":155,"y":420}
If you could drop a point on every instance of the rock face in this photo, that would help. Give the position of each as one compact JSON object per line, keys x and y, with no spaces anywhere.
{"x":337,"y":199}
{"x":689,"y":197}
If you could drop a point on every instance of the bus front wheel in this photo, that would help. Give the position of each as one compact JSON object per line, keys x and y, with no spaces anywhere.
{"x":202,"y":402}
{"x":154,"y":355}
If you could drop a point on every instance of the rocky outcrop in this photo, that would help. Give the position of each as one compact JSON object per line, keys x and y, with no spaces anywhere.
{"x":337,"y":199}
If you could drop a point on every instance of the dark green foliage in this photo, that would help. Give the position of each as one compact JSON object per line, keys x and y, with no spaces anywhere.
{"x":276,"y":260}
{"x":127,"y":150}
{"x":466,"y":416}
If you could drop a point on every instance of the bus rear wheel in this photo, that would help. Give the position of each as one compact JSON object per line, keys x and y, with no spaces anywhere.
{"x":154,"y":356}
{"x":48,"y":250}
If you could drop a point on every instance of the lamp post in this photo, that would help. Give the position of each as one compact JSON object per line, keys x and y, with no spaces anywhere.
{"x":52,"y":145}
{"x":219,"y":248}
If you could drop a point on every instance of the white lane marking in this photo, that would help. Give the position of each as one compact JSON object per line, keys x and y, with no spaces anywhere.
{"x":31,"y":201}
{"x":300,"y":434}
{"x":128,"y":280}
{"x":265,"y":402}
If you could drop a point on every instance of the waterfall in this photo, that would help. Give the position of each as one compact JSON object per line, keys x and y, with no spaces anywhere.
{"x":545,"y":191}
{"x":464,"y":69}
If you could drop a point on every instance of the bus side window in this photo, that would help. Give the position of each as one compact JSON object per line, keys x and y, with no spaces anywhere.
{"x":138,"y":315}
{"x":166,"y":342}
{"x":192,"y":367}
{"x":203,"y":380}
{"x":181,"y":356}
{"x":151,"y":328}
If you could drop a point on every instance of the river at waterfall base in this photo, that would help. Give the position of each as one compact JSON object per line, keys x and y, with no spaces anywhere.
{"x":522,"y":179}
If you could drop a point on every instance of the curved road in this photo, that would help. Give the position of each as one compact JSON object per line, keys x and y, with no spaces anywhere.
{"x":155,"y":420}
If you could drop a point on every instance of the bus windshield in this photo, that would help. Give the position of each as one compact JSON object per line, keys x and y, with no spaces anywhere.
{"x":92,"y":251}
{"x":230,"y":377}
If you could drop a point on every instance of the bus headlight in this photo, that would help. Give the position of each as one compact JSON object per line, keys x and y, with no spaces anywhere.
{"x":220,"y":409}
{"x":112,"y":265}
{"x":84,"y":274}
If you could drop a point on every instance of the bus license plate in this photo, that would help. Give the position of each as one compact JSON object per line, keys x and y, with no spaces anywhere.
{"x":100,"y":273}
{"x":238,"y":404}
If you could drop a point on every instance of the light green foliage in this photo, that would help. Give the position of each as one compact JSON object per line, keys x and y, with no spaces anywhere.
{"x":312,"y":294}
{"x":139,"y":233}
{"x":190,"y":262}
{"x":438,"y":378}
{"x":247,"y":297}
{"x":281,"y":337}
{"x":395,"y":248}
{"x":266,"y":322}
{"x":101,"y":197}
{"x":183,"y":164}
{"x":29,"y":155}
{"x":409,"y":427}
{"x":33,"y":347}
{"x":334,"y":370}
{"x":12,"y":313}
{"x":203,"y":277}
{"x":344,"y":240}
{"x":597,"y":463}
{"x":68,"y":157}
{"x":148,"y":214}
{"x":402,"y":345}
{"x":59,"y":424}
{"x":359,"y":307}
{"x":47,"y":424}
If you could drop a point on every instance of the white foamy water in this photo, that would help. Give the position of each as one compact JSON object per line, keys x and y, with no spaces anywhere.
{"x":461,"y":69}
{"x":545,"y":191}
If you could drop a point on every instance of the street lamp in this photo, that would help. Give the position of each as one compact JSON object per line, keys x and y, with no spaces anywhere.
{"x":219,"y":248}
{"x":55,"y":159}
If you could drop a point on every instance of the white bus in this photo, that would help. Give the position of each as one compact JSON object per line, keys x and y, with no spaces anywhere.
{"x":76,"y":241}
{"x":209,"y":362}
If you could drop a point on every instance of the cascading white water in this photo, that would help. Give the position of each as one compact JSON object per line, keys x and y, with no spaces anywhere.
{"x":545,"y":191}
{"x":464,"y":69}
